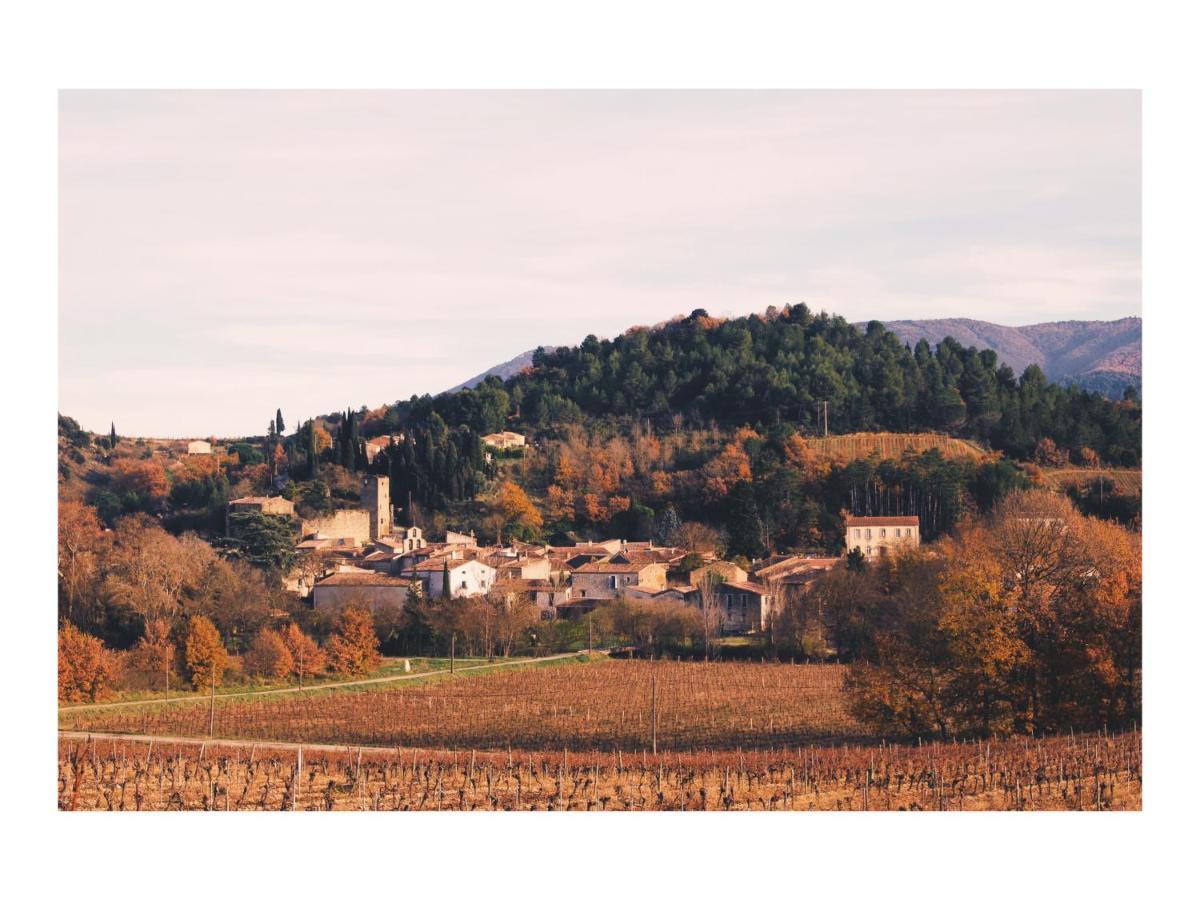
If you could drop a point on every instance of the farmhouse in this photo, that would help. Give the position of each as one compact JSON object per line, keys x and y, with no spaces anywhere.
{"x":608,"y":580}
{"x":360,"y":586}
{"x":504,"y":440}
{"x":876,"y":536}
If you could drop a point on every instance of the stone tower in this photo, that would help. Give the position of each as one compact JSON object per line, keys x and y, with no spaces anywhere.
{"x":377,"y":500}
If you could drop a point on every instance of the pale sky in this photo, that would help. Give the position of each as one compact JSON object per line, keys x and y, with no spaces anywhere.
{"x":226,"y":253}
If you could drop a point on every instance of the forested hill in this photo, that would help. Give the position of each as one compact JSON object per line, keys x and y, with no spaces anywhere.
{"x":1101,"y":356}
{"x":781,"y":369}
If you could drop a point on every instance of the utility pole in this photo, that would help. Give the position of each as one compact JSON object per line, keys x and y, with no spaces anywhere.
{"x":589,"y":634}
{"x":826,"y":418}
{"x":452,"y":653}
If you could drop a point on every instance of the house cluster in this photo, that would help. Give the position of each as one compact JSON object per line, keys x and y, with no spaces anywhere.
{"x":361,"y":556}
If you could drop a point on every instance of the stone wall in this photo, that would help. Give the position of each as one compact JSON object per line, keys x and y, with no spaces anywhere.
{"x":342,"y":523}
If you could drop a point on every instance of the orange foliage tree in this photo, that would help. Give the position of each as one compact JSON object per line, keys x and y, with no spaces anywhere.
{"x":86,"y":669}
{"x":307,"y":657}
{"x":204,"y":653}
{"x":354,"y":649}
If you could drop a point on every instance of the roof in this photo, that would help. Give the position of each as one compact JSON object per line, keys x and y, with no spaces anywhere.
{"x":790,"y":564}
{"x":613,"y":568}
{"x":436,"y":565}
{"x":868,"y":521}
{"x":744,"y":586}
{"x":364,"y":578}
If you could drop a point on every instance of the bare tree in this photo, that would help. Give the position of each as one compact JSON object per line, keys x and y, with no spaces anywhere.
{"x":712,"y":617}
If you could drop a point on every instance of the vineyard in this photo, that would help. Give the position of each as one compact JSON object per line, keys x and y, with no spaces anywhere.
{"x":845,"y":448}
{"x":623,"y":705}
{"x":1125,"y":481}
{"x":1088,"y":772}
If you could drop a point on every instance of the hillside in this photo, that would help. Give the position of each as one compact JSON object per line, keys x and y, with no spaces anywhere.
{"x":1098,"y":356}
{"x":784,"y":367}
{"x":1102,"y":356}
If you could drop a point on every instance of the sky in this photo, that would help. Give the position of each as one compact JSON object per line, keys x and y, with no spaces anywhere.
{"x":224,"y":254}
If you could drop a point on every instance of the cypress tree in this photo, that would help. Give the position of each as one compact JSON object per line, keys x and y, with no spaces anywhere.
{"x":278,"y":421}
{"x":112,"y":437}
{"x":445,"y":580}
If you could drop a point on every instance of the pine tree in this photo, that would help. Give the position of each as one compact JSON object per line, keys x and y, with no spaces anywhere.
{"x":666,"y":526}
{"x":747,"y":536}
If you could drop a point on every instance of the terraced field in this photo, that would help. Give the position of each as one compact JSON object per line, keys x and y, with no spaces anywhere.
{"x":844,"y":448}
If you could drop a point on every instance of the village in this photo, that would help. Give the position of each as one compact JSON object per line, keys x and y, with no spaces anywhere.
{"x":364,"y":557}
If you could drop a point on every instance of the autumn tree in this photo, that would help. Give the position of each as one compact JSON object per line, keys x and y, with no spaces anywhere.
{"x":511,"y":506}
{"x":149,"y":572}
{"x":141,"y":482}
{"x":204,"y":653}
{"x":354,"y":649}
{"x":155,"y":655}
{"x":86,"y":669}
{"x":268,"y":656}
{"x":307,"y":658}
{"x":80,"y":545}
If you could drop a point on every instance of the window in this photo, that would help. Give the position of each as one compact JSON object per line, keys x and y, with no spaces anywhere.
{"x":868,"y":534}
{"x":858,"y":532}
{"x":868,"y":551}
{"x":897,"y":532}
{"x":908,"y":532}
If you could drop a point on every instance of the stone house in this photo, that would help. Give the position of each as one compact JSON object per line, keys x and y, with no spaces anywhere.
{"x":373,"y":590}
{"x":718,"y":570}
{"x":608,"y":580}
{"x":745,"y":607}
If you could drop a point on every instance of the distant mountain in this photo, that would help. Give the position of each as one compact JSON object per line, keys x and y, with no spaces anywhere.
{"x":1099,"y":356}
{"x":504,"y":371}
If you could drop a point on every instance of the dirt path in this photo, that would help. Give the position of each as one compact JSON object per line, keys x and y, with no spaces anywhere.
{"x":524,"y":661}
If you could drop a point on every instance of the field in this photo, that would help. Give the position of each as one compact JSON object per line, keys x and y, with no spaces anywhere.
{"x":1066,"y":773}
{"x":844,"y":448}
{"x":607,"y":735}
{"x":623,"y":705}
{"x":1126,"y":481}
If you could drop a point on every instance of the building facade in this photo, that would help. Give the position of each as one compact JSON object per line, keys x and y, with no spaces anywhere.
{"x":877,"y":536}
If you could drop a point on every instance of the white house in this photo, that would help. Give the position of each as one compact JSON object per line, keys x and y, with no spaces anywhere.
{"x":876,"y":536}
{"x":199,"y":448}
{"x":468,"y":577}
